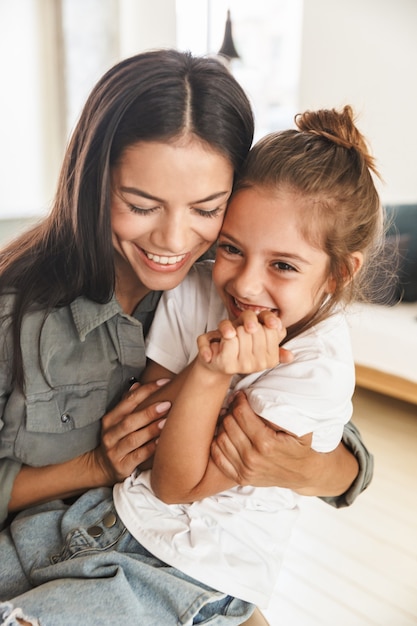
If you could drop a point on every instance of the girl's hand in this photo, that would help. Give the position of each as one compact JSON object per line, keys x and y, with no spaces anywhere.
{"x":248,"y":344}
{"x":128,"y":436}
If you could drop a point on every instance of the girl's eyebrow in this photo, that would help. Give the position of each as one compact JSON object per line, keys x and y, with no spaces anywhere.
{"x":290,"y":256}
{"x":143,"y":194}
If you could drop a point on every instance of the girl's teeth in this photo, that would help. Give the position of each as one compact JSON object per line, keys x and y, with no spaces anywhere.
{"x":241,"y":307}
{"x":165,"y":260}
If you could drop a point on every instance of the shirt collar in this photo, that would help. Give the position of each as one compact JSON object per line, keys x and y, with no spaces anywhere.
{"x":88,"y":315}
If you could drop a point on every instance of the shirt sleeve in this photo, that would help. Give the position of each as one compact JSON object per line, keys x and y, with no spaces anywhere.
{"x":312,"y":393}
{"x":166,"y":341}
{"x":353,"y":441}
{"x":9,"y":469}
{"x":180,"y":318}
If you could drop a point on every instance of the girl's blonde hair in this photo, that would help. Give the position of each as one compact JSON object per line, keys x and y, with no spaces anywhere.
{"x":327,"y":161}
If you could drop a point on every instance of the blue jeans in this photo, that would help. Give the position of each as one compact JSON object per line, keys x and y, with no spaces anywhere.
{"x":67,"y":566}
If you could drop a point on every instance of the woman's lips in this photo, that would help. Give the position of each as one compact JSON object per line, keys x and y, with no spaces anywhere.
{"x":162,"y":262}
{"x":165,"y":260}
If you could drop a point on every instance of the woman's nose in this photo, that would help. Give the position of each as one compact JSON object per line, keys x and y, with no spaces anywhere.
{"x":173,"y":232}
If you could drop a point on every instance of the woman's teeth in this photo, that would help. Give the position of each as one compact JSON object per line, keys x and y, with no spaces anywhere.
{"x":165,"y":260}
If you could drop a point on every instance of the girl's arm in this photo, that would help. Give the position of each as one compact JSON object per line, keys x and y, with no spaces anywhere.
{"x":248,"y":452}
{"x":183,"y":470}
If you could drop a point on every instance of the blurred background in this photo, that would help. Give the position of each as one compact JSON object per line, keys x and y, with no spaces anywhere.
{"x":293,"y":55}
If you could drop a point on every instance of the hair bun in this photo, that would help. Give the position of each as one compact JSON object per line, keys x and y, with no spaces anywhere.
{"x":338,"y":127}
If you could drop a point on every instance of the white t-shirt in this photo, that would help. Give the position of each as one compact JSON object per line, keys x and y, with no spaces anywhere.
{"x":234,"y":541}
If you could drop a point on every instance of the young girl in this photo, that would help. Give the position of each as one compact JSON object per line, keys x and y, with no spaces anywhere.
{"x":303,"y":218}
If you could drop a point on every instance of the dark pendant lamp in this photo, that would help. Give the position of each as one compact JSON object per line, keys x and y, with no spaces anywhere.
{"x":228,"y":49}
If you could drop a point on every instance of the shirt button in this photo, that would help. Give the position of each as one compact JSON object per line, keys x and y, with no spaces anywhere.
{"x":109,"y":520}
{"x":95,"y":531}
{"x":65,"y":418}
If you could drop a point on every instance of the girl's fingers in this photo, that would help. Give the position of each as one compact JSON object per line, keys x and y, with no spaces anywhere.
{"x":269,"y":319}
{"x":227,"y":329}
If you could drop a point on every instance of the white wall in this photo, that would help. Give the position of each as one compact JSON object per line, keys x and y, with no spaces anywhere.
{"x":33,"y":112}
{"x":364,"y":52}
{"x":30,"y":124}
{"x":146,"y":24}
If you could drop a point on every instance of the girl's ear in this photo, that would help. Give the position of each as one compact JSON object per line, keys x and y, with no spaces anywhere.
{"x":356,"y":262}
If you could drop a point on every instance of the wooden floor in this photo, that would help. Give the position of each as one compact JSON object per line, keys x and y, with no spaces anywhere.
{"x":358,"y":566}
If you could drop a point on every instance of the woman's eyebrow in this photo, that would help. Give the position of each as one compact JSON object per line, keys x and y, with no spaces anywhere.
{"x":144,"y":194}
{"x":139,"y":192}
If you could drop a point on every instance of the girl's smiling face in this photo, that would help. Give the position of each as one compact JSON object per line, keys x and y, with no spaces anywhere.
{"x":168,"y":204}
{"x":263,"y":260}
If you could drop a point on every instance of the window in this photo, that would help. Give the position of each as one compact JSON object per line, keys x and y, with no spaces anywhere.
{"x":267,"y":36}
{"x":52,"y":53}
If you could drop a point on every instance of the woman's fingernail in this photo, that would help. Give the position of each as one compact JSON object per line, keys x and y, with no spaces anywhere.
{"x":163,"y":407}
{"x":161,"y":424}
{"x":163,"y":381}
{"x":134,"y":386}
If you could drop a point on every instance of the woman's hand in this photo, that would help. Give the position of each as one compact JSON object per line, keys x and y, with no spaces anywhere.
{"x":128,"y":439}
{"x":249,"y":452}
{"x":128,"y":435}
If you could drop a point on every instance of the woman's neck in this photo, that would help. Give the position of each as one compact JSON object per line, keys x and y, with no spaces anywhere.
{"x":129,"y":292}
{"x":129,"y":296}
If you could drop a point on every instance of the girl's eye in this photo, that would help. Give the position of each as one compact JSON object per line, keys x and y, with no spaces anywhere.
{"x":284,"y":267}
{"x":229,"y":249}
{"x":141,"y":211}
{"x":212,"y":213}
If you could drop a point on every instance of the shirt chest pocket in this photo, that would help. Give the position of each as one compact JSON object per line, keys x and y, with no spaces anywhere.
{"x":66,"y":408}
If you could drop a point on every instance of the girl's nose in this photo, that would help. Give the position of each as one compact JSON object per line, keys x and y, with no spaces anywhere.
{"x":248,"y":281}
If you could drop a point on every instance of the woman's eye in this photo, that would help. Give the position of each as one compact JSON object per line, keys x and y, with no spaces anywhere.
{"x":142,"y":211}
{"x":212,"y":213}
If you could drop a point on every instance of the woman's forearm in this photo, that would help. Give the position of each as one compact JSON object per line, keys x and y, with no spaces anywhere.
{"x":35,"y":485}
{"x":331,"y":473}
{"x":251,"y":453}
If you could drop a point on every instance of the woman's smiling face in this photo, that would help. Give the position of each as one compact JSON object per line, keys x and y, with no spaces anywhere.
{"x":168,"y":204}
{"x":263,"y":260}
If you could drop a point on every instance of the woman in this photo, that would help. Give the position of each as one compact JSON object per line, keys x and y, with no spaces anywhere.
{"x":143,"y":188}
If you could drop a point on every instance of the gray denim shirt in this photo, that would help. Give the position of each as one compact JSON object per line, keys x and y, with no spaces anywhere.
{"x":78,"y":362}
